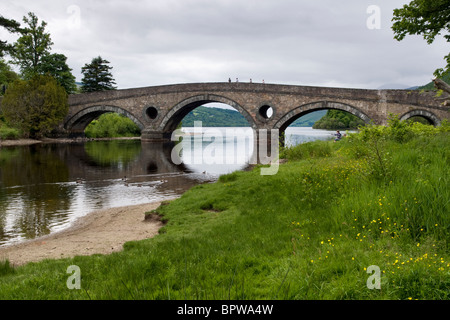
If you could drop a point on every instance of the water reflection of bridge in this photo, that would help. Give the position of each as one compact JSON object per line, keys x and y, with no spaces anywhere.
{"x":39,"y":187}
{"x":148,"y":161}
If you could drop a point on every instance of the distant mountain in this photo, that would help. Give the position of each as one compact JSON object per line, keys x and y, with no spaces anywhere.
{"x":309,"y":119}
{"x":428,"y":86}
{"x":393,"y":86}
{"x":215,"y":117}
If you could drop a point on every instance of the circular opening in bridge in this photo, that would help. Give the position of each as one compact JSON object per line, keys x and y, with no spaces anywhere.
{"x":151,"y":112}
{"x":266,"y":112}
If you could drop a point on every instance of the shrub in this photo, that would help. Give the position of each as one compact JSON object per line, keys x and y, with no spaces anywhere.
{"x":111,"y":125}
{"x":7,"y":133}
{"x":35,"y":106}
{"x":397,"y":130}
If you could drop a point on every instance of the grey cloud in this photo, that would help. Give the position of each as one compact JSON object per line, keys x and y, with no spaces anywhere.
{"x":322,"y":42}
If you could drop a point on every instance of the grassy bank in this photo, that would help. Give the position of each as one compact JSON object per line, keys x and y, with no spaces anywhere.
{"x":312,"y":231}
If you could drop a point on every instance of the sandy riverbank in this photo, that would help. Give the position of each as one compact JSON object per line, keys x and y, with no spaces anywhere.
{"x":19,"y":142}
{"x":103,"y":231}
{"x":26,"y":142}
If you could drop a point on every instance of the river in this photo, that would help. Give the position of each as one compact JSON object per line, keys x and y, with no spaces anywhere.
{"x":45,"y":187}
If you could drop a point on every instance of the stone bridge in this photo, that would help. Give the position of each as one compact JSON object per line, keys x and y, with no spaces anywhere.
{"x":158,"y":110}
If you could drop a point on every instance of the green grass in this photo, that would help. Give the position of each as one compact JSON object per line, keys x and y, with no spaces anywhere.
{"x":308,"y":232}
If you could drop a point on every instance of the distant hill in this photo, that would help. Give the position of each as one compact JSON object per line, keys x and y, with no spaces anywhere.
{"x":309,"y":119}
{"x":430,"y":85}
{"x":217,"y":117}
{"x":393,"y":86}
{"x":338,"y":119}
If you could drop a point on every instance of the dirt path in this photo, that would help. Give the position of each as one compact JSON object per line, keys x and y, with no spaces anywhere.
{"x":102,"y":231}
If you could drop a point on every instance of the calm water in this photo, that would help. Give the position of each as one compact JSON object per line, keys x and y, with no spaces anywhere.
{"x":46,"y":187}
{"x":294,"y":136}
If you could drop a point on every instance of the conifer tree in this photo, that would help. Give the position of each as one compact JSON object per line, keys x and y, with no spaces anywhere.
{"x":97,"y":76}
{"x":56,"y":66}
{"x":13,"y":27}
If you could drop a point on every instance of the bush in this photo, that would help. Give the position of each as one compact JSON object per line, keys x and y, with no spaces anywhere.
{"x":373,"y":143}
{"x":7,"y":133}
{"x":112,"y":125}
{"x":35,"y":106}
{"x":399,"y":131}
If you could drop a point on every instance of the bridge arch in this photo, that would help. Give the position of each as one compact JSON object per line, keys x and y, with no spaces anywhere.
{"x":180,"y":110}
{"x":79,"y":121}
{"x":432,"y":118}
{"x":300,"y":111}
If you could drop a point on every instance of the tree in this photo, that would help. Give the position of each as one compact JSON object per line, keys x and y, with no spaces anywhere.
{"x":7,"y":76}
{"x":338,"y":119}
{"x":35,"y":106}
{"x":427,"y":18}
{"x":31,"y":47}
{"x":32,"y":54}
{"x":56,"y":66}
{"x":424,"y":17}
{"x":13,"y":27}
{"x":97,"y":76}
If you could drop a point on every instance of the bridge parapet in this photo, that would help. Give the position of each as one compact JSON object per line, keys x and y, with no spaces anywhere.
{"x":412,"y":97}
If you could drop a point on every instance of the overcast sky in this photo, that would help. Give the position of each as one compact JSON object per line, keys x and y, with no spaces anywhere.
{"x":347,"y":43}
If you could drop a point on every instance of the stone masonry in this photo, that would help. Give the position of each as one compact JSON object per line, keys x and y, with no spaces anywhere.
{"x":158,"y":110}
